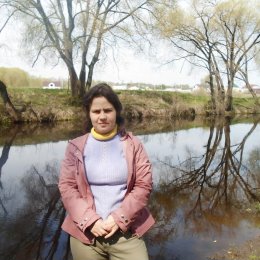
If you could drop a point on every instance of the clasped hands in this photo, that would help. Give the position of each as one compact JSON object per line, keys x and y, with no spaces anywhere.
{"x":104,"y":228}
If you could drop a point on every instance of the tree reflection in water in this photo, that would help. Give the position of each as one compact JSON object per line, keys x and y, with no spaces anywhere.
{"x":3,"y":159}
{"x":204,"y":192}
{"x":36,"y":232}
{"x":200,"y":194}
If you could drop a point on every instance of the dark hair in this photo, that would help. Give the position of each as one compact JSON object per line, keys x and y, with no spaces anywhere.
{"x":104,"y":90}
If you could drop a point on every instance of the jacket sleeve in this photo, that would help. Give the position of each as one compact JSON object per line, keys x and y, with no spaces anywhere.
{"x":75,"y":204}
{"x":139,"y":189}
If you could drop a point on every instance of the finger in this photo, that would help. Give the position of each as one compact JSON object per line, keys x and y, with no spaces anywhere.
{"x":99,"y":232}
{"x":108,"y":228}
{"x":103,"y":233}
{"x":111,"y":233}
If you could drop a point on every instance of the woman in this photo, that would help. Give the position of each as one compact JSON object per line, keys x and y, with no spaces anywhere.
{"x":105,"y":183}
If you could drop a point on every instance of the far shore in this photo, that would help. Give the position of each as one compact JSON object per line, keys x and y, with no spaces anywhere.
{"x":58,"y":105}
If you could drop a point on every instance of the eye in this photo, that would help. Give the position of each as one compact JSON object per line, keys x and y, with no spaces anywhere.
{"x":108,"y":110}
{"x":95,"y":111}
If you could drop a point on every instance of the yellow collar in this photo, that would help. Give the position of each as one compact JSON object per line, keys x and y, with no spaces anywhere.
{"x":103,"y":137}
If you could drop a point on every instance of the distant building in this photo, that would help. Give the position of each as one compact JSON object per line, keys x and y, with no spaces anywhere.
{"x":119,"y":87}
{"x":255,"y":88}
{"x":201,"y":87}
{"x":51,"y":85}
{"x":170,"y":89}
{"x":125,"y":87}
{"x":133,"y":88}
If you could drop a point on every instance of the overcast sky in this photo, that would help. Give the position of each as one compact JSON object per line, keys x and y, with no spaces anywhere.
{"x":129,"y":67}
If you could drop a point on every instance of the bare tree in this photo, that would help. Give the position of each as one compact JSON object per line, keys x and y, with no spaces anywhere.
{"x":195,"y":37}
{"x":239,"y":40}
{"x":11,"y":110}
{"x":77,"y":31}
{"x":220,"y":37}
{"x":15,"y":113}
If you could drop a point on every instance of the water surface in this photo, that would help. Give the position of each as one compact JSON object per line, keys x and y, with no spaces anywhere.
{"x":206,"y":187}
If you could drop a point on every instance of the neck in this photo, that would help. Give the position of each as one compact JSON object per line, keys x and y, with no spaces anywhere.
{"x":103,"y":137}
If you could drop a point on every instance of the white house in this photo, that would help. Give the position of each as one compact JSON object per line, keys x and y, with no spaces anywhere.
{"x":51,"y":85}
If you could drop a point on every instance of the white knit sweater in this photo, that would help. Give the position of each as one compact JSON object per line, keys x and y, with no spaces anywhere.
{"x":106,"y":171}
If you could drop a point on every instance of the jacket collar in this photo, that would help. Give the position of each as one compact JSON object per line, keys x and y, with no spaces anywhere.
{"x":79,"y":142}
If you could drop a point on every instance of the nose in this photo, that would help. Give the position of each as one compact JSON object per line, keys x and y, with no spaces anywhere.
{"x":103,"y":116}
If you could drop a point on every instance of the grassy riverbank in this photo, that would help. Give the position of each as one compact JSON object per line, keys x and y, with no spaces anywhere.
{"x":52,"y":105}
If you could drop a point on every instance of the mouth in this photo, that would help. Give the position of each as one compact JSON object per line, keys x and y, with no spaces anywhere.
{"x":103,"y":124}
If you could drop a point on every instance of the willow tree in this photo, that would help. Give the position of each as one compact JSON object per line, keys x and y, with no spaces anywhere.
{"x":219,"y":36}
{"x":77,"y":31}
{"x":239,"y":25}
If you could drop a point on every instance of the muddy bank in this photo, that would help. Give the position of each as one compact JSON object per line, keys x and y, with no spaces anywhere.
{"x":52,"y":114}
{"x":59,"y":106}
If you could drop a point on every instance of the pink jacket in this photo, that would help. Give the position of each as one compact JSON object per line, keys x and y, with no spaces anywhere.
{"x":78,"y":200}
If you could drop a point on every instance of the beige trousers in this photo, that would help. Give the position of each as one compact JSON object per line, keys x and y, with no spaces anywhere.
{"x":118,"y":247}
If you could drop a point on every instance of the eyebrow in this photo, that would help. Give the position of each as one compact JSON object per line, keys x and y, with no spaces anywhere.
{"x":99,"y":109}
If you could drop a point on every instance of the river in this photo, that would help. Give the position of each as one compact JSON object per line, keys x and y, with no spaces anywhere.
{"x":206,"y":195}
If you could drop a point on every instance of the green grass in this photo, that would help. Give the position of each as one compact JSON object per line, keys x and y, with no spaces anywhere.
{"x":162,"y":99}
{"x":41,"y":97}
{"x":243,"y":101}
{"x":147,"y":100}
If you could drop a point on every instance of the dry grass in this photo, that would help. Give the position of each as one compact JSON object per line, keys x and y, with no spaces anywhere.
{"x":54,"y":105}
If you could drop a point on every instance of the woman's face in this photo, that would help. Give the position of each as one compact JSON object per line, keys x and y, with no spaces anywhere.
{"x":102,"y":115}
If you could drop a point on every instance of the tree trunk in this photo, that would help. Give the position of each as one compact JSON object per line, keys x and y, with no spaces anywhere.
{"x":212,"y":92}
{"x":220,"y":89}
{"x":82,"y":79}
{"x":90,"y":73}
{"x":90,"y":76}
{"x":74,"y":82}
{"x":14,"y":113}
{"x":229,"y":100}
{"x":245,"y":75}
{"x":252,"y":93}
